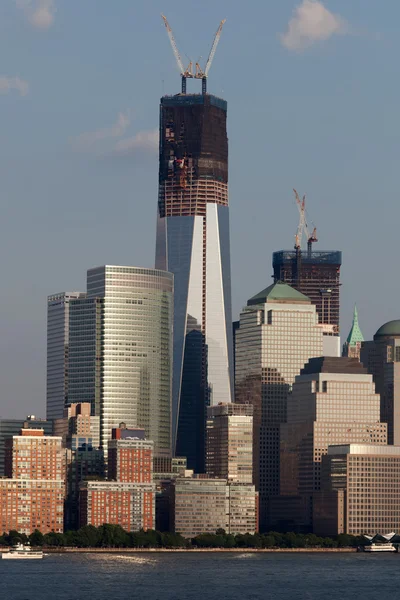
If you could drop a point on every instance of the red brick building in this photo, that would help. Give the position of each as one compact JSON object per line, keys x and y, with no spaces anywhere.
{"x":128,"y":497}
{"x":32,"y":497}
{"x":130,"y":505}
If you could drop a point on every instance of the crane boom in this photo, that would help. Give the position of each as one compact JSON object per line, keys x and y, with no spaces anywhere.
{"x":174,"y":47}
{"x":303,"y":226}
{"x":213,"y":48}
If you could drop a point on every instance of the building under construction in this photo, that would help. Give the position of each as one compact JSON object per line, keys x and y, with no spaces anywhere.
{"x":193,"y":244}
{"x":313,"y":273}
{"x":317,"y":275}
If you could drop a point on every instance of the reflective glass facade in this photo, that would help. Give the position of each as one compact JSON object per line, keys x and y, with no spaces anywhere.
{"x":193,"y":244}
{"x":121,"y":351}
{"x":57,"y":352}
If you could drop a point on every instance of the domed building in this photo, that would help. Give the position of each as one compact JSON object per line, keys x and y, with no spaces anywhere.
{"x":382,"y":359}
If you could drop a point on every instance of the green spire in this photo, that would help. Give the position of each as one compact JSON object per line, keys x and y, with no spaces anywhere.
{"x":355,"y":334}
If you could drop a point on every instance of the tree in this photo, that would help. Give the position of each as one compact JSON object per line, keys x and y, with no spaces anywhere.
{"x":36,"y":538}
{"x":87,"y":536}
{"x":112,"y":536}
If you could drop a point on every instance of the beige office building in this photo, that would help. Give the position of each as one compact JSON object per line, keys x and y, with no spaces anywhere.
{"x":333,"y":402}
{"x":360,"y":490}
{"x":229,"y":450}
{"x":198,"y":506}
{"x":382,"y":359}
{"x":202,"y":505}
{"x":278,"y":333}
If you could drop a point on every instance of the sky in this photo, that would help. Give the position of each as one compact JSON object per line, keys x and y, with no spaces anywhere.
{"x":313,"y":95}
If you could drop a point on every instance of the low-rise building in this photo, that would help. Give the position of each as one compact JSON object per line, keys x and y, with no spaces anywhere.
{"x":198,"y":506}
{"x":360,"y":490}
{"x":130,"y":505}
{"x":202,"y":505}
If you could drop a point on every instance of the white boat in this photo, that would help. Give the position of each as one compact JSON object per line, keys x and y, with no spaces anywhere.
{"x":22,"y":551}
{"x":385,"y":547}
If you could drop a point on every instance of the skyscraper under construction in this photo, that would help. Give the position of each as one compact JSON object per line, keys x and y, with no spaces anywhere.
{"x":315,"y":274}
{"x":193,"y":244}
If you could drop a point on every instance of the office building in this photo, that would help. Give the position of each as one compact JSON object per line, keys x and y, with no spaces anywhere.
{"x":10,"y":427}
{"x":198,"y":506}
{"x":352,"y":346}
{"x":204,"y":505}
{"x":317,"y":275}
{"x":333,"y":402}
{"x":130,"y":505}
{"x":57,"y":352}
{"x":165,"y":473}
{"x":120,"y":351}
{"x":32,"y":495}
{"x":278,"y":334}
{"x":193,"y":244}
{"x":382,"y":359}
{"x":230,"y":442}
{"x":360,"y":490}
{"x":242,"y":509}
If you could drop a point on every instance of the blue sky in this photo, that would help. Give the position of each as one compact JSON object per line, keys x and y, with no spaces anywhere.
{"x":313,"y":95}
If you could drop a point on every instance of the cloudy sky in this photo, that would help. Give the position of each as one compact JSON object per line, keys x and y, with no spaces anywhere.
{"x":312,"y":92}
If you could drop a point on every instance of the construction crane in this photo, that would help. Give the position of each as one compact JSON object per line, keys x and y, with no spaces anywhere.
{"x":303,"y":226}
{"x":199,"y":72}
{"x":185,"y":73}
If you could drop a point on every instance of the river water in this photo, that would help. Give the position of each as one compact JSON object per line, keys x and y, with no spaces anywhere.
{"x":205,"y":576}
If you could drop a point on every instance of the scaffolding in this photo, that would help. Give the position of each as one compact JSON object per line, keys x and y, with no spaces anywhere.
{"x":315,"y":274}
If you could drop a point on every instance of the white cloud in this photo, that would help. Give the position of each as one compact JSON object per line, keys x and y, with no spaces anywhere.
{"x":312,"y":22}
{"x":146,"y":141}
{"x":13,"y":83}
{"x":40,"y":13}
{"x":86,"y":140}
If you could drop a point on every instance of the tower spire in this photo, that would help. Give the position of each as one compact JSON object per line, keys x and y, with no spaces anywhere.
{"x":355,"y":334}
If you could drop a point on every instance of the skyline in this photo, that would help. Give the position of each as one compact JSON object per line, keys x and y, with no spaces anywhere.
{"x":77,"y":132}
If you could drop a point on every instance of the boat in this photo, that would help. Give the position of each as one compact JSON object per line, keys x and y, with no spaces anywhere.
{"x":22,"y":551}
{"x":388,"y":547}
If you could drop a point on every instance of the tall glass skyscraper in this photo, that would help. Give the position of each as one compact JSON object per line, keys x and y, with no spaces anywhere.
{"x":57,"y":352}
{"x":193,"y":244}
{"x":120,"y":351}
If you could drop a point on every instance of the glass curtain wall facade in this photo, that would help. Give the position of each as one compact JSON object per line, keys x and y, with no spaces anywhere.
{"x":121,"y":351}
{"x":193,"y":244}
{"x":57,"y":352}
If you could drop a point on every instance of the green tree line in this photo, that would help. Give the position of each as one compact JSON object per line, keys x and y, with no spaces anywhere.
{"x":114,"y":536}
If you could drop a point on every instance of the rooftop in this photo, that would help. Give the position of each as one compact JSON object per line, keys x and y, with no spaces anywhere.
{"x":329,"y":257}
{"x":364,"y":449}
{"x":279,"y":292}
{"x":334,"y":364}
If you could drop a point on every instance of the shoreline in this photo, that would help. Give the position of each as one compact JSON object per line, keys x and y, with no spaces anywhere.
{"x":188,"y":550}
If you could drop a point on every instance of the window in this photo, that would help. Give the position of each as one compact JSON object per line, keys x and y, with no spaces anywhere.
{"x":324,"y":386}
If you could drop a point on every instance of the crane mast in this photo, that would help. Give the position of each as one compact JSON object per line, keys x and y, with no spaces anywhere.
{"x":199,"y":72}
{"x":303,"y":226}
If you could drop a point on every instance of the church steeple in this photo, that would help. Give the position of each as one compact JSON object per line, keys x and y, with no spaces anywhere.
{"x":355,"y":334}
{"x":352,"y":346}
